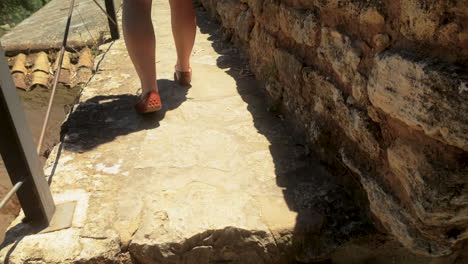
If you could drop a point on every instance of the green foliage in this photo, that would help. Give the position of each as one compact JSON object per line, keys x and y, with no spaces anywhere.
{"x":14,"y":11}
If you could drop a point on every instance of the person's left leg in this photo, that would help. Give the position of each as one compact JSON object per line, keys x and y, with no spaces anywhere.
{"x":140,"y":41}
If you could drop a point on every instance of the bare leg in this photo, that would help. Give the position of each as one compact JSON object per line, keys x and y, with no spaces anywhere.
{"x":140,"y":40}
{"x":184,"y":29}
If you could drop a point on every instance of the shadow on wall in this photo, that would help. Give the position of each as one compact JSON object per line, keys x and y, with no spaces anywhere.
{"x":328,"y":213}
{"x":102,"y":119}
{"x":333,"y":223}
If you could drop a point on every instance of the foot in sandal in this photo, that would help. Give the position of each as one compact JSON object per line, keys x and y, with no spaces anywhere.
{"x":183,"y":76}
{"x":149,"y":102}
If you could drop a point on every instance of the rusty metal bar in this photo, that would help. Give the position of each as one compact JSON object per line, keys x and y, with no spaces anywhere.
{"x":10,"y":194}
{"x":56,"y":77}
{"x":19,"y":154}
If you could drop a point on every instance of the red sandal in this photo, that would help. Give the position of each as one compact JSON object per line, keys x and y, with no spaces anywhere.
{"x":149,"y":103}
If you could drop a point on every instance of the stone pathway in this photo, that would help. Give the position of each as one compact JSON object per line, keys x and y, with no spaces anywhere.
{"x":213,"y":178}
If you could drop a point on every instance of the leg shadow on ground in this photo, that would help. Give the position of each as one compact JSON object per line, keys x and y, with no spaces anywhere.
{"x":328,"y":213}
{"x":103,"y":118}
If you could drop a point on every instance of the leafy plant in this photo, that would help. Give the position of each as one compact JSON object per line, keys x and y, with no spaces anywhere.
{"x":14,"y":11}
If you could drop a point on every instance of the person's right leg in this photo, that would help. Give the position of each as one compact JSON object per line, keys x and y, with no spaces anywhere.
{"x":140,"y":40}
{"x":184,"y":30}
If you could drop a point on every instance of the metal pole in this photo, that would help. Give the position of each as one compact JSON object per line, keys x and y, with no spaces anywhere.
{"x":112,"y":18}
{"x":19,"y":154}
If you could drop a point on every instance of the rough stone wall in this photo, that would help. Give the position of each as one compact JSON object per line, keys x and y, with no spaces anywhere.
{"x":380,"y":86}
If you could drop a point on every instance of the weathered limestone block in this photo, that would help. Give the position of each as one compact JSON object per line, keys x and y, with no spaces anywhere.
{"x":210,"y":6}
{"x":300,"y":25}
{"x":422,"y":95}
{"x":395,"y":217}
{"x":45,"y":248}
{"x":270,"y":15}
{"x":381,"y":41}
{"x":372,"y":17}
{"x":289,"y":68}
{"x":339,"y":51}
{"x":463,"y":39}
{"x":255,"y":5}
{"x":438,"y":24}
{"x":329,"y":102}
{"x":262,"y":47}
{"x":359,"y":89}
{"x":99,"y":250}
{"x":228,"y":10}
{"x":230,"y":244}
{"x":419,"y":21}
{"x":55,"y":247}
{"x":274,"y":90}
{"x":437,"y":188}
{"x":342,"y":12}
{"x":245,"y":24}
{"x":447,"y":34}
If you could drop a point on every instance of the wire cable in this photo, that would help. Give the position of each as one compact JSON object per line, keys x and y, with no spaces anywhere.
{"x":105,"y":12}
{"x":56,"y":77}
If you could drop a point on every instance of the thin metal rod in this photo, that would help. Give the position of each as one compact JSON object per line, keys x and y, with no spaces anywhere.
{"x":10,"y":194}
{"x":56,"y":77}
{"x":105,"y":12}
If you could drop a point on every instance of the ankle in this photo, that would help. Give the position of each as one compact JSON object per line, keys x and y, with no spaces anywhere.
{"x":145,"y":91}
{"x":183,"y":67}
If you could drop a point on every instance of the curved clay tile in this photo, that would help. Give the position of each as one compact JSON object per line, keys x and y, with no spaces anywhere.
{"x":40,"y":71}
{"x":86,"y":59}
{"x":85,"y":67}
{"x":65,"y":73}
{"x":41,"y":62}
{"x":40,"y":78}
{"x":20,"y":64}
{"x":18,"y":72}
{"x":66,"y":64}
